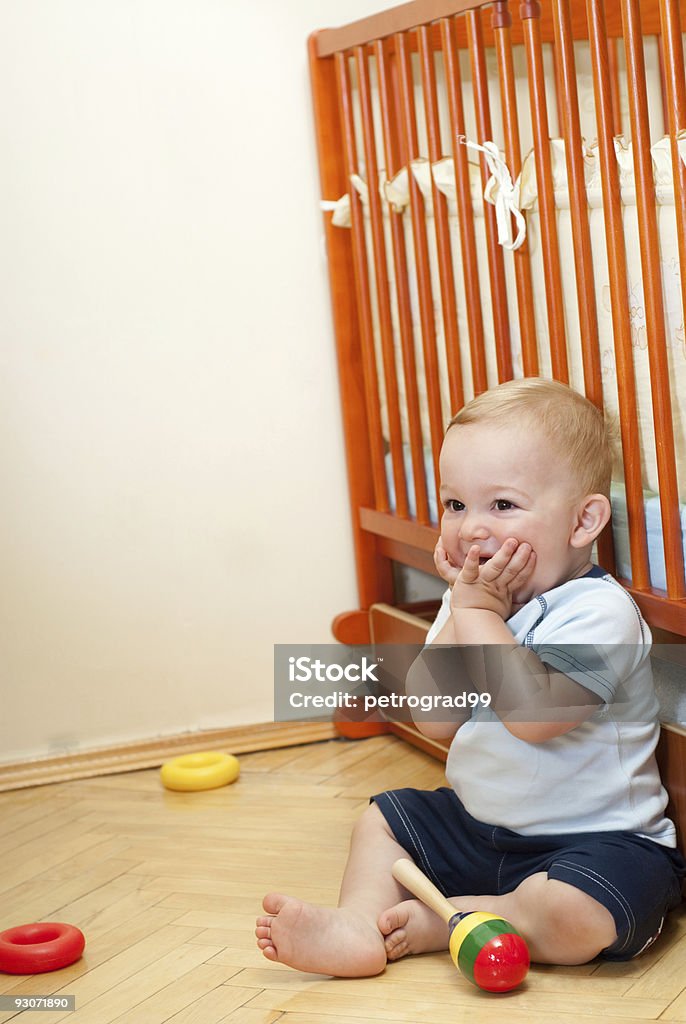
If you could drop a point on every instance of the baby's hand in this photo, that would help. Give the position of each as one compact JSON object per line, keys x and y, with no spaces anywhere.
{"x":491,"y":586}
{"x":447,"y":569}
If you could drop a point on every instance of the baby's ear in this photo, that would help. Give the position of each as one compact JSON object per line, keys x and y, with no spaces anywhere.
{"x":593,"y":514}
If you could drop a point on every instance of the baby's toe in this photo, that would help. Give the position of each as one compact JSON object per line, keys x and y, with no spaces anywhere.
{"x":263,"y":931}
{"x":393,"y":919}
{"x":396,"y":945}
{"x":395,"y":939}
{"x":273,"y":902}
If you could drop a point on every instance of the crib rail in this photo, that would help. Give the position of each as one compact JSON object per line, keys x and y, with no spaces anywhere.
{"x":429,"y":307}
{"x":409,"y":16}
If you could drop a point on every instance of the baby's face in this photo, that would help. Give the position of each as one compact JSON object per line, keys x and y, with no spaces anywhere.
{"x":496,"y":483}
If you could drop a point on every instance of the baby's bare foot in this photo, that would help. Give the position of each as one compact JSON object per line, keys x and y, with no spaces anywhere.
{"x":410,"y":927}
{"x":319,"y":939}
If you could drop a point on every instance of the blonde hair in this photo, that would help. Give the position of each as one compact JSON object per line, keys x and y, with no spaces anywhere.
{"x":573,"y":425}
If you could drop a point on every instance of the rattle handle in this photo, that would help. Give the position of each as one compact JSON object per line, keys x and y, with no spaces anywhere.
{"x":409,"y":875}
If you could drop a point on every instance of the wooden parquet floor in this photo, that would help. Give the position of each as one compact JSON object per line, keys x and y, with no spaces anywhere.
{"x":166,"y":887}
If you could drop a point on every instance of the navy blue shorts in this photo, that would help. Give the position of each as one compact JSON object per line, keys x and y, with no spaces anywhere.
{"x":637,"y":880}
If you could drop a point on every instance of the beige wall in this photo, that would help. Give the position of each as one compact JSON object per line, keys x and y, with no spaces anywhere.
{"x":174,"y":494}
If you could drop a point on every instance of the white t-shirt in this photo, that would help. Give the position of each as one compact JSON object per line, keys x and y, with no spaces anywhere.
{"x":602,"y":775}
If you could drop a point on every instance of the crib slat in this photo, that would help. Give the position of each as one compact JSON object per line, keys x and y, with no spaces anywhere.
{"x":362,"y":289}
{"x":382,"y":289}
{"x":613,"y":66}
{"x":652,"y":288}
{"x":559,"y":87}
{"x":393,"y":165}
{"x":578,"y":202}
{"x":501,"y":21}
{"x":663,"y":84}
{"x":496,"y":266}
{"x":409,"y":142}
{"x":470,"y":266}
{"x":581,"y":235}
{"x":619,"y":290}
{"x":530,"y":14}
{"x":675,"y":90}
{"x":440,"y":203}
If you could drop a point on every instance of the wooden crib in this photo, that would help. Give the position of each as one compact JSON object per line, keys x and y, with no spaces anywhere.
{"x":561,"y":252}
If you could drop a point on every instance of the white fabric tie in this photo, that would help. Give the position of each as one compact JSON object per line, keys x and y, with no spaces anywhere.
{"x":501,"y":193}
{"x":341,"y":207}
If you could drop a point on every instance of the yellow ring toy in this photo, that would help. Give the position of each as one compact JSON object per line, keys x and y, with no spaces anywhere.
{"x":208,"y":770}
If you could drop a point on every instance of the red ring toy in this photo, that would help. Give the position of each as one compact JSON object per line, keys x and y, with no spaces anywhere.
{"x":44,"y":946}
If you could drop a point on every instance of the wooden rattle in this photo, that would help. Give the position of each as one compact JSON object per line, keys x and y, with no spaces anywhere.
{"x":487,"y":950}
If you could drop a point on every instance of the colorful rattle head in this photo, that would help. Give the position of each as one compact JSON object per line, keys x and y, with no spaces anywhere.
{"x":488,"y":951}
